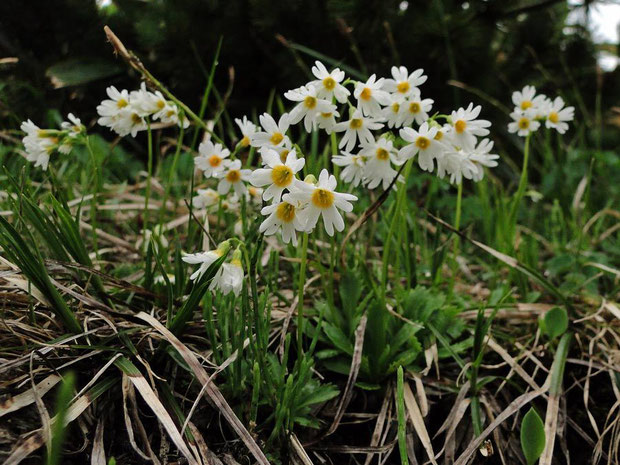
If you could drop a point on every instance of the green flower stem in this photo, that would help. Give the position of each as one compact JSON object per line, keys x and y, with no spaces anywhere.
{"x":300,"y":294}
{"x":397,"y":211}
{"x":93,"y":200}
{"x":457,"y":217}
{"x":172,"y":172}
{"x":522,"y":183}
{"x":149,"y":168}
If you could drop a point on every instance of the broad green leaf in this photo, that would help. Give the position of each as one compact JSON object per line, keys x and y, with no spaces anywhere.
{"x":532,"y":436}
{"x":555,"y":322}
{"x":78,"y":71}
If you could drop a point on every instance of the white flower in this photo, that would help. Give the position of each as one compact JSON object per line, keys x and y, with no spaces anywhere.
{"x":392,"y":112}
{"x":283,"y":216}
{"x":144,"y":102}
{"x":119,"y":115}
{"x":323,"y":201}
{"x":414,"y":108}
{"x":423,"y":143}
{"x":309,"y":106}
{"x":378,"y":168}
{"x":279,"y":176}
{"x":155,"y":237}
{"x":274,"y":135}
{"x":357,"y":127}
{"x":467,"y":127}
{"x":205,"y":259}
{"x":527,"y":99}
{"x":247,"y":128}
{"x":282,"y":151}
{"x":481,"y":157}
{"x":524,"y":122}
{"x":74,"y":125}
{"x":212,"y":158}
{"x":255,"y":195}
{"x":206,"y":198}
{"x":38,"y":143}
{"x":170,"y":115}
{"x":111,"y":107}
{"x":328,"y":84}
{"x":233,"y":176}
{"x":229,"y":278}
{"x":557,"y":115}
{"x":404,"y":83}
{"x":327,"y":120}
{"x":353,"y":171}
{"x":370,"y":96}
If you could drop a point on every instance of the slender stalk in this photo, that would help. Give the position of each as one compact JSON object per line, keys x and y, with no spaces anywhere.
{"x":300,"y":294}
{"x":457,"y":218}
{"x":522,"y":182}
{"x":93,"y":200}
{"x":397,"y":212}
{"x":402,"y":419}
{"x":149,"y":168}
{"x":171,"y":173}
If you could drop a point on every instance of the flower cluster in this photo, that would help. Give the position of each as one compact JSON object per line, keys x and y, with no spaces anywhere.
{"x":531,"y":110}
{"x":229,"y":277}
{"x":41,"y":143}
{"x":127,"y":112}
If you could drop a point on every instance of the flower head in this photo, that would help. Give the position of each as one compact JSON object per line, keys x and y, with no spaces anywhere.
{"x":557,"y":115}
{"x":415,"y":108}
{"x":423,"y":144}
{"x":283,"y":216}
{"x":273,"y":134}
{"x":277,"y":175}
{"x":403,"y":83}
{"x":321,"y":200}
{"x":466,"y":127}
{"x":353,"y":171}
{"x":524,"y":122}
{"x":380,"y":155}
{"x":211,"y":159}
{"x":370,"y":96}
{"x":247,"y":128}
{"x":309,"y":106}
{"x":233,"y":176}
{"x":328,"y":84}
{"x":39,"y":144}
{"x":206,"y":259}
{"x":358,"y":126}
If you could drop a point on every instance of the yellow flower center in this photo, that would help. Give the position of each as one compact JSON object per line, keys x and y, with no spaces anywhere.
{"x":281,"y":175}
{"x":382,"y":154}
{"x":526,"y":104}
{"x":276,"y":138}
{"x":245,"y":141}
{"x":233,"y":176}
{"x":161,"y":104}
{"x":439,"y":135}
{"x":553,"y":117}
{"x":215,"y":161}
{"x":414,"y":107}
{"x":322,"y":198}
{"x":329,"y":114}
{"x":170,"y":113}
{"x":460,"y":126}
{"x":285,"y":212}
{"x":422,"y":142}
{"x":403,"y":87}
{"x":121,"y":103}
{"x":366,"y":94}
{"x":395,"y":107}
{"x":135,"y":118}
{"x":329,"y":83}
{"x":524,"y":123}
{"x":356,"y":123}
{"x":310,"y":102}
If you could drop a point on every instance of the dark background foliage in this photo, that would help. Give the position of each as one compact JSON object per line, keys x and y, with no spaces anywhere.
{"x":492,"y":46}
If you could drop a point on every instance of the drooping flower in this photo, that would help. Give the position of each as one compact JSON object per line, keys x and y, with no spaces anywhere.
{"x":423,"y":144}
{"x":327,"y":120}
{"x":403,"y":83}
{"x":39,"y":144}
{"x":481,"y":156}
{"x":524,"y":122}
{"x":247,"y":128}
{"x":212,"y":158}
{"x":557,"y":115}
{"x":233,"y":176}
{"x":322,"y":200}
{"x":370,"y":96}
{"x":283,"y":216}
{"x":466,"y":127}
{"x":309,"y":106}
{"x":205,"y":259}
{"x":205,"y":198}
{"x":229,"y":278}
{"x":277,"y":175}
{"x":328,"y":84}
{"x":353,"y":171}
{"x":358,"y":126}
{"x":273,"y":134}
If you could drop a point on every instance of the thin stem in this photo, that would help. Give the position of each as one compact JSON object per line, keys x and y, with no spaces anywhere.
{"x":522,"y":182}
{"x":300,"y":294}
{"x":457,"y":217}
{"x":171,"y":173}
{"x":149,"y":168}
{"x":93,"y":200}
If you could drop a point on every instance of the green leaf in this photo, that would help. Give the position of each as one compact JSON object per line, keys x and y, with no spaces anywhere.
{"x":78,"y":71}
{"x":59,"y":428}
{"x":532,"y":436}
{"x":555,"y":322}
